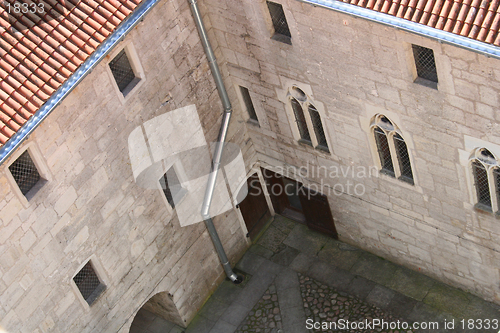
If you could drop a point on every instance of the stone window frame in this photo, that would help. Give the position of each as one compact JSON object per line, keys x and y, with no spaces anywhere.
{"x":181,"y":175}
{"x":245,"y":107}
{"x":41,"y":166}
{"x":420,"y":79}
{"x":136,"y":67}
{"x":490,"y":165}
{"x":277,"y":36}
{"x":389,"y":132}
{"x":472,"y":146}
{"x":303,"y":95}
{"x":101,"y":275}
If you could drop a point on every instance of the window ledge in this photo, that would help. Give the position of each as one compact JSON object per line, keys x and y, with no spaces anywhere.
{"x":282,"y":38}
{"x":426,"y":83}
{"x":253,"y":122}
{"x":482,"y":208}
{"x":323,"y":149}
{"x":305,"y":142}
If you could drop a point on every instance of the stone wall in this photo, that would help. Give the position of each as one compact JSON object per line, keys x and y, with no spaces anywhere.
{"x":90,"y":207}
{"x":355,"y":69}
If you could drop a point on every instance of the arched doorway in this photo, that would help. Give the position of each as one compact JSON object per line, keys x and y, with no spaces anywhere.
{"x":158,"y":314}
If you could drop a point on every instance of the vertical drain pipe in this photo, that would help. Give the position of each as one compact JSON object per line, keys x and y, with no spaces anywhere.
{"x":205,"y":210}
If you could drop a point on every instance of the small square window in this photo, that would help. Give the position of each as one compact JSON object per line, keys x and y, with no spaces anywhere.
{"x":172,"y":187}
{"x":123,"y":73}
{"x":88,"y":283}
{"x":26,"y":175}
{"x":248,"y":103}
{"x":281,"y":30}
{"x":425,"y":66}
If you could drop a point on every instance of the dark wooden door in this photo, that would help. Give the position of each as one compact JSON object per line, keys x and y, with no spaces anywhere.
{"x":317,"y":211}
{"x":275,"y":186}
{"x":254,"y":207}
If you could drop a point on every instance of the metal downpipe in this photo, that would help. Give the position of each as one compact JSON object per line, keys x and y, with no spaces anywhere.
{"x":205,"y":210}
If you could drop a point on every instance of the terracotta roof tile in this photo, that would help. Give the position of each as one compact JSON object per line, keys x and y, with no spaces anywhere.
{"x":476,"y":19}
{"x":39,"y":52}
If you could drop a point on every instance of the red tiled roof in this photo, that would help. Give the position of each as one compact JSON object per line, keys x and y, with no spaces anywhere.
{"x":476,"y":19}
{"x":38,"y":52}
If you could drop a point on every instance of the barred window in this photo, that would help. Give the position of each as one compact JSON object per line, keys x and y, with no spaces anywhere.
{"x":247,"y":100}
{"x":318,"y":127}
{"x":172,"y":187}
{"x":392,"y":150}
{"x":425,"y":65}
{"x":123,"y":72}
{"x":300,"y":119}
{"x":403,"y":159}
{"x":281,"y":30}
{"x":88,"y":283}
{"x":486,"y":175}
{"x":25,"y":173}
{"x":384,"y":151}
{"x":308,"y":119}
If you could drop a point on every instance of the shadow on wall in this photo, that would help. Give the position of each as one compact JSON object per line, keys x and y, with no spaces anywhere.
{"x":161,"y":305}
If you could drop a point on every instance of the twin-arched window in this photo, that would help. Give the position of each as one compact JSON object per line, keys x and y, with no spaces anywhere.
{"x":486,"y":174}
{"x":392,"y":149}
{"x":308,"y":120}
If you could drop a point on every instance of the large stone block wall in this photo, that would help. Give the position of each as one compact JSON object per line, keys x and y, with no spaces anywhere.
{"x":355,"y":69}
{"x":92,"y":208}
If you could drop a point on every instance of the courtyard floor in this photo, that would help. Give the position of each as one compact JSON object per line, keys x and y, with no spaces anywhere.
{"x":297,"y":278}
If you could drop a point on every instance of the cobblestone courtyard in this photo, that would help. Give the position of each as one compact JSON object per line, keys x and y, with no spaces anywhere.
{"x":295,"y":274}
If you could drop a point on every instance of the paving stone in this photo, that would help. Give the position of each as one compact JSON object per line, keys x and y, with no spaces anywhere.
{"x":227,"y":292}
{"x":289,"y":298}
{"x":261,"y":251}
{"x":448,"y":299}
{"x":160,"y":325}
{"x":302,"y":262}
{"x":360,"y":287}
{"x":330,"y":275}
{"x":411,"y":283}
{"x":250,"y":263}
{"x":325,"y":304}
{"x":272,"y":239}
{"x":401,"y":305}
{"x":285,"y":256}
{"x":287,"y":279}
{"x":480,"y":309}
{"x":235,"y":314}
{"x":283,"y":224}
{"x":200,"y":325}
{"x":223,"y":327}
{"x":265,"y":316}
{"x":306,"y":240}
{"x":341,"y":256}
{"x":213,"y":308}
{"x":375,"y":268}
{"x":380,"y":296}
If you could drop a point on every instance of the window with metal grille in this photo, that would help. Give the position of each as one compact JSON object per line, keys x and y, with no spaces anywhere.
{"x":318,"y":127}
{"x":300,"y":119}
{"x":248,"y":103}
{"x":403,"y":159}
{"x":392,"y":150}
{"x":496,"y":177}
{"x":123,"y":73}
{"x":481,"y":185}
{"x":172,"y":187}
{"x":425,"y":65}
{"x":25,"y":173}
{"x":88,"y":283}
{"x":384,"y":151}
{"x":281,"y":30}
